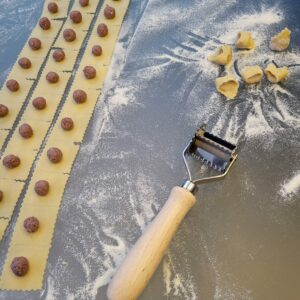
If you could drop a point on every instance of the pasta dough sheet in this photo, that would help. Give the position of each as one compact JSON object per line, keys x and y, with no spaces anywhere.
{"x":33,"y":280}
{"x":71,"y":108}
{"x":39,"y":131}
{"x":3,"y":135}
{"x":63,"y":6}
{"x":57,"y":88}
{"x":51,"y":33}
{"x":119,"y":6}
{"x":8,"y":121}
{"x":107,"y":44}
{"x":21,"y":172}
{"x":91,"y":8}
{"x":28,"y":73}
{"x":31,"y":113}
{"x":83,"y":25}
{"x":3,"y":226}
{"x":95,"y":83}
{"x":80,"y":114}
{"x":57,"y":183}
{"x":36,"y":248}
{"x":37,"y":54}
{"x":42,"y":237}
{"x":11,"y":192}
{"x":67,"y":64}
{"x":69,"y":151}
{"x":7,"y":97}
{"x":75,"y":45}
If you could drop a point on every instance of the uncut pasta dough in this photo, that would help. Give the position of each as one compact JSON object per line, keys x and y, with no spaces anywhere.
{"x":223,"y":55}
{"x":281,"y":41}
{"x":36,"y":247}
{"x":227,"y":86}
{"x":275,"y":74}
{"x":252,"y":74}
{"x":245,"y":40}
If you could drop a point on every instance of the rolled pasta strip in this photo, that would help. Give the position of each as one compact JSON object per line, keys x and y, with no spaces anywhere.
{"x":227,"y":86}
{"x":281,"y":41}
{"x":252,"y":74}
{"x":275,"y":74}
{"x":245,"y":40}
{"x":222,"y":56}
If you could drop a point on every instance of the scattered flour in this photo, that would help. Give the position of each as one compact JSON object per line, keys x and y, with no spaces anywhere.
{"x":291,"y":186}
{"x":177,"y":283}
{"x":192,"y":51}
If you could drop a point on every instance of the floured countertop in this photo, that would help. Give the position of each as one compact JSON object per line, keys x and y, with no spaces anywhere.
{"x":241,"y":240}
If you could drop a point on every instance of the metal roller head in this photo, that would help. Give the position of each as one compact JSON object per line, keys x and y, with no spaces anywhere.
{"x":212,"y":151}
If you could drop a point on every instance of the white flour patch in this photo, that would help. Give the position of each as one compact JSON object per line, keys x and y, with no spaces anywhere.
{"x":257,"y":22}
{"x":177,"y":283}
{"x":290,"y":188}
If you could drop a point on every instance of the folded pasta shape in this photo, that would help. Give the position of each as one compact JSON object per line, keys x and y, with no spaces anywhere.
{"x":222,"y":56}
{"x":245,"y":40}
{"x":227,"y":86}
{"x":275,"y":74}
{"x":252,"y":74}
{"x":281,"y":41}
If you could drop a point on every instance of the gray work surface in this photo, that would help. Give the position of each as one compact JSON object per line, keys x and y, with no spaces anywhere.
{"x":241,"y":239}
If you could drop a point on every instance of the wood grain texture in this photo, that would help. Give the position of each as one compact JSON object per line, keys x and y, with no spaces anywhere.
{"x":144,"y":258}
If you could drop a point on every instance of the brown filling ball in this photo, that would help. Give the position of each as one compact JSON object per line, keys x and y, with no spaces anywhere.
{"x":31,"y":224}
{"x":102,"y":30}
{"x":11,"y":161}
{"x":35,"y":44}
{"x":39,"y":103}
{"x":67,"y":124}
{"x":3,"y":110}
{"x":52,"y":77}
{"x":52,"y":7}
{"x":97,"y":50}
{"x":54,"y":155}
{"x":84,"y":3}
{"x":76,"y":16}
{"x":89,"y":72}
{"x":1,"y":196}
{"x":26,"y":131}
{"x":58,"y":55}
{"x":109,"y":12}
{"x":20,"y":266}
{"x":79,"y":96}
{"x":41,"y":187}
{"x":12,"y":85}
{"x":45,"y":23}
{"x":24,"y":63}
{"x":69,"y":35}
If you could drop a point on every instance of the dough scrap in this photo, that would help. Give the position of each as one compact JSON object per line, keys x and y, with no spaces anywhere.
{"x":252,"y":74}
{"x":281,"y":41}
{"x":275,"y":74}
{"x":223,"y":55}
{"x":228,"y":86}
{"x":245,"y":40}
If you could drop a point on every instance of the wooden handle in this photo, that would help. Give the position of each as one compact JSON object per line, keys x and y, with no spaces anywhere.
{"x":145,"y":256}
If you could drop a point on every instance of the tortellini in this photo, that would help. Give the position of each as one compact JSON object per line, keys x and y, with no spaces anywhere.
{"x":228,"y":86}
{"x":245,"y":40}
{"x":275,"y":74}
{"x":281,"y":41}
{"x":223,"y":55}
{"x":252,"y":74}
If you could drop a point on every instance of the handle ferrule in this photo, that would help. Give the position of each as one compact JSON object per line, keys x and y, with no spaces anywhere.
{"x":189,"y":185}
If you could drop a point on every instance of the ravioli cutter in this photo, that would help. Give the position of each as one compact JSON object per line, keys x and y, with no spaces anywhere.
{"x":216,"y":156}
